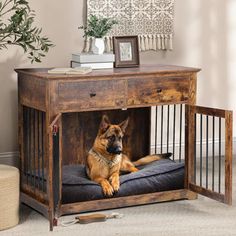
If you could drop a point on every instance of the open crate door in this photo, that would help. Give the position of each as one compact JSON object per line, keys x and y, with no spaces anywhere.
{"x":209,"y":152}
{"x":55,"y":172}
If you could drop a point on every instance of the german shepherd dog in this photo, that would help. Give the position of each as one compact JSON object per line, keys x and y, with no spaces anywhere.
{"x":105,"y":160}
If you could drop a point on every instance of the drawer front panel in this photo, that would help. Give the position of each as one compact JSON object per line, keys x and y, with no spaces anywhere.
{"x":91,"y":94}
{"x":158,"y":90}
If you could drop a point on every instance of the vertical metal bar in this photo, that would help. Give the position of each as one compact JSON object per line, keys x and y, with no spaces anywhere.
{"x":168,"y":127}
{"x":213,"y":153}
{"x":180,"y":131}
{"x":195,"y":148}
{"x":156,"y":131}
{"x":219,"y":154}
{"x":43,"y":135}
{"x":28,"y":143}
{"x":23,"y":168}
{"x":40,"y":150}
{"x":207,"y":138}
{"x":34,"y":151}
{"x":162,"y":107}
{"x":38,"y":133}
{"x":201,"y":150}
{"x":30,"y":146}
{"x":174,"y":131}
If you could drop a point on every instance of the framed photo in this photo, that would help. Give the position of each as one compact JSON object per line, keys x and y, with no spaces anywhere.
{"x":126,"y":51}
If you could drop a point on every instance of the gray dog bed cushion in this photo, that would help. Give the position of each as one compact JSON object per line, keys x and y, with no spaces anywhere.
{"x":157,"y":176}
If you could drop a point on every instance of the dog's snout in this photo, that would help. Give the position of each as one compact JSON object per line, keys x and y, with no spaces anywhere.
{"x":115,"y":150}
{"x":118,"y":149}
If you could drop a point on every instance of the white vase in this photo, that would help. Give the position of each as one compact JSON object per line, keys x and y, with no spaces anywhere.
{"x":98,"y":46}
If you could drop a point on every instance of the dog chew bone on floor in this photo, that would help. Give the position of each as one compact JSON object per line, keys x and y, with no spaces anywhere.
{"x":105,"y":159}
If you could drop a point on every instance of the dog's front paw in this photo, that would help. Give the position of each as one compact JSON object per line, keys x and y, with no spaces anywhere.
{"x":107,"y":190}
{"x":115,"y":185}
{"x":115,"y":182}
{"x":133,"y":169}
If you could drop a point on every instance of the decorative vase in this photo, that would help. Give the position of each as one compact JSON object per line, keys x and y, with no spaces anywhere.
{"x":98,"y":46}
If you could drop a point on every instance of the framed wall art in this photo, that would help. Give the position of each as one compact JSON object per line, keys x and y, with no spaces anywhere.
{"x":126,"y":51}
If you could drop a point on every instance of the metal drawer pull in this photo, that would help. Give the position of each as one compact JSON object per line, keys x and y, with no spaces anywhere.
{"x":93,"y":95}
{"x":159,"y":90}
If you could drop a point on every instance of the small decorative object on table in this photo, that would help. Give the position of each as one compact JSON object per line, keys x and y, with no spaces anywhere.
{"x":103,"y":61}
{"x":126,"y":51}
{"x":97,"y":28}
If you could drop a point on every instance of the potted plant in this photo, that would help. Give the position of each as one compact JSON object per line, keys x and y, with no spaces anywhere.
{"x":16,"y":28}
{"x":97,"y":28}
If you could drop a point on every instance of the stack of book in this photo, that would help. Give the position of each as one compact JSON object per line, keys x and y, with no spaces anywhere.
{"x":103,"y":61}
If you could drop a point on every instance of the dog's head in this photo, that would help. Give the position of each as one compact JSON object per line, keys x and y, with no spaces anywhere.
{"x":110,"y":136}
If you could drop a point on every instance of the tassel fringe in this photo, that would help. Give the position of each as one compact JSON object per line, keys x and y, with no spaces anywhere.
{"x":146,"y":43}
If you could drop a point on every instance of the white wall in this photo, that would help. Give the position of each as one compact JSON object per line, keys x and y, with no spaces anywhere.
{"x":205,"y":32}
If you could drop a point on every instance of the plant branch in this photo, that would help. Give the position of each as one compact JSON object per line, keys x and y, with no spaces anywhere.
{"x":98,"y":27}
{"x":5,"y":4}
{"x":19,"y":30}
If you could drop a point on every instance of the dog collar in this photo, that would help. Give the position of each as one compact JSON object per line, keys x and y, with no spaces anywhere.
{"x":101,"y":158}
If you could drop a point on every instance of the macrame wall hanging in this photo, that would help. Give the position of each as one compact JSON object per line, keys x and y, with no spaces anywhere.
{"x":151,"y":20}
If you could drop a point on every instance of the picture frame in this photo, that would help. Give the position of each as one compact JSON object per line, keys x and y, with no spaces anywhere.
{"x":126,"y":50}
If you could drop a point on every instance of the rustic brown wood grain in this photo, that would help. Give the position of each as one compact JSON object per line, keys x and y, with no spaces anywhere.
{"x":190,"y":132}
{"x":83,"y":100}
{"x":208,"y":193}
{"x":146,"y":70}
{"x":153,"y":91}
{"x":32,"y":92}
{"x":193,"y":89}
{"x":80,"y":130}
{"x":210,"y":111}
{"x":34,"y":203}
{"x":126,"y":201}
{"x":92,"y":94}
{"x":228,"y":156}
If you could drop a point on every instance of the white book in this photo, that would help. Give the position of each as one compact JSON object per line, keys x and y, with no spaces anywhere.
{"x":93,"y":58}
{"x":71,"y":71}
{"x":95,"y":66}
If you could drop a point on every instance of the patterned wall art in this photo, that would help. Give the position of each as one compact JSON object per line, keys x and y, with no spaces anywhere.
{"x":151,"y":20}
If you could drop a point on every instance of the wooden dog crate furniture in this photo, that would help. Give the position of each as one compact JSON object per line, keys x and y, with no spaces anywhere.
{"x":59,"y":117}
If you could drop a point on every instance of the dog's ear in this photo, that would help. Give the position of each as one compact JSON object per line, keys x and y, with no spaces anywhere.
{"x":104,"y":125}
{"x":123,"y":125}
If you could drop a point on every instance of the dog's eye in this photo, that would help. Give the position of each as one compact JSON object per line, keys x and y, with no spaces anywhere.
{"x":111,"y":138}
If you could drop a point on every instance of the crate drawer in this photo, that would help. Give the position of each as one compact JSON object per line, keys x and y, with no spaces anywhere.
{"x":158,"y":90}
{"x":91,"y":94}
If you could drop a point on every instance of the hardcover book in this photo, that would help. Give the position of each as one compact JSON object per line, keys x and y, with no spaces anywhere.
{"x":103,"y":65}
{"x":93,"y":58}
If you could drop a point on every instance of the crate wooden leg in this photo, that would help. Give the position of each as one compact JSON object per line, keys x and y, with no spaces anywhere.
{"x":192,"y":195}
{"x":51,"y":220}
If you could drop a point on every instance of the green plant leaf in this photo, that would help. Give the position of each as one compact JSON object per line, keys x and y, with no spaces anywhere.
{"x":98,"y":27}
{"x":18,"y":29}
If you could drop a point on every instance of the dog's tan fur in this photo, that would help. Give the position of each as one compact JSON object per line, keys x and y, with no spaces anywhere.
{"x":100,"y":171}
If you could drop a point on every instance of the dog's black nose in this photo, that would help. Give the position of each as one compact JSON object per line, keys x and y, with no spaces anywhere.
{"x":118,"y":150}
{"x":115,"y":150}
